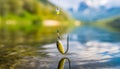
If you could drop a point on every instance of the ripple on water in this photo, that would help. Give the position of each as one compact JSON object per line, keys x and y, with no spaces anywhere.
{"x":90,"y":48}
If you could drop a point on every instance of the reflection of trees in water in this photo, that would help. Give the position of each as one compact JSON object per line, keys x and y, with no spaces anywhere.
{"x":18,"y":37}
{"x":17,"y":42}
{"x":44,"y":64}
{"x":11,"y":54}
{"x":15,"y":45}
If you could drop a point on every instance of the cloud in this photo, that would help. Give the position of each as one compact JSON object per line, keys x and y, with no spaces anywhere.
{"x":96,"y":3}
{"x":92,"y":3}
{"x":66,"y":3}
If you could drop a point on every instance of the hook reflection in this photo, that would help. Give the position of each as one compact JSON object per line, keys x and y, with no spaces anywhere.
{"x":62,"y":63}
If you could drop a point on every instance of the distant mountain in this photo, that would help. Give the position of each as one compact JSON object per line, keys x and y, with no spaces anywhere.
{"x":108,"y":23}
{"x":82,"y":6}
{"x":86,"y":13}
{"x":114,"y":23}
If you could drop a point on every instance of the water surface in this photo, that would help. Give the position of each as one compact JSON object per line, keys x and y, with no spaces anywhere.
{"x":90,"y":48}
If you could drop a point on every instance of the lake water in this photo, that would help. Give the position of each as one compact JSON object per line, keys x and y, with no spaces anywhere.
{"x":90,"y":48}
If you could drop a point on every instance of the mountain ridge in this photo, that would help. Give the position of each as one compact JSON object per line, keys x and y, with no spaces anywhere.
{"x":86,"y":13}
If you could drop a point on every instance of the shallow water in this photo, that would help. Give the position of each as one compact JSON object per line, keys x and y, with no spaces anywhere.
{"x":90,"y":48}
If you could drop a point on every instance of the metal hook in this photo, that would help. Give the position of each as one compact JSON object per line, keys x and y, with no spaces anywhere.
{"x":60,"y":46}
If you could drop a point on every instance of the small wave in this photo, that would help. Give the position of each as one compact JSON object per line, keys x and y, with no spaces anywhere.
{"x":91,"y":50}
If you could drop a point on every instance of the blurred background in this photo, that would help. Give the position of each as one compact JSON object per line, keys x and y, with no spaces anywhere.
{"x":28,"y":32}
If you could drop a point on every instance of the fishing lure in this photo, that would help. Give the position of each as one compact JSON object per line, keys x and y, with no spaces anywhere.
{"x":60,"y":46}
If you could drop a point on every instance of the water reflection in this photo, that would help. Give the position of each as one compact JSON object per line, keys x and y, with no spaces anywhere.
{"x":62,"y":63}
{"x":91,"y":55}
{"x":90,"y":48}
{"x":94,"y":53}
{"x":89,"y":33}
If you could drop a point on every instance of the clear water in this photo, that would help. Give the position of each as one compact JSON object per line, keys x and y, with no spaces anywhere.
{"x":90,"y":48}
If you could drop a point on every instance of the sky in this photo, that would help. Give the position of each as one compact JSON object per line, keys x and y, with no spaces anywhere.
{"x":65,"y":4}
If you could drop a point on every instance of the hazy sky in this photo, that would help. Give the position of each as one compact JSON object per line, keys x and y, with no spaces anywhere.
{"x":92,"y":3}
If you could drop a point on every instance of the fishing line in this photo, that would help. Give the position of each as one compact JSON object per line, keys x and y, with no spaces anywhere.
{"x":59,"y":44}
{"x":58,"y":12}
